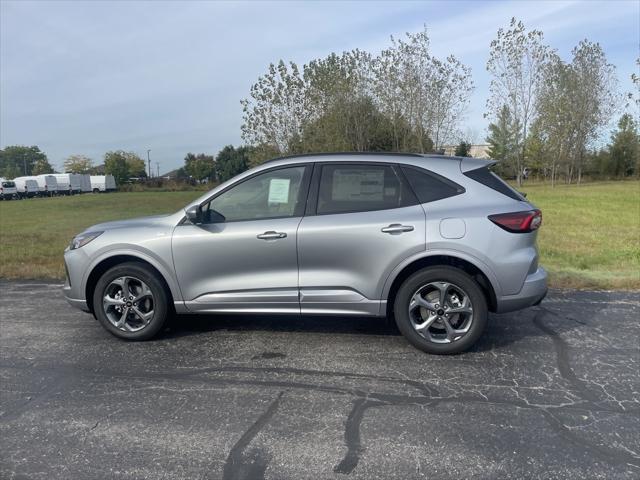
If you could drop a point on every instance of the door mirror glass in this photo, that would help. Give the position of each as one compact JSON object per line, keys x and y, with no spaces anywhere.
{"x":194,"y":214}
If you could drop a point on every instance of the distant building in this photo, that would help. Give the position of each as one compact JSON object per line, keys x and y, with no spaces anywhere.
{"x":480,"y":150}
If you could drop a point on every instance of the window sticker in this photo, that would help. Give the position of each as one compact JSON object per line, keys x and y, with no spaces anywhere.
{"x":358,"y":185}
{"x":279,"y":190}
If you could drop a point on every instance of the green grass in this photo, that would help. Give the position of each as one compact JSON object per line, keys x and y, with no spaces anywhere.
{"x":590,"y":236}
{"x":34,"y":232}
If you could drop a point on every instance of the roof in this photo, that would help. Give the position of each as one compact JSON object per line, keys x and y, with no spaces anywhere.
{"x":354,"y":154}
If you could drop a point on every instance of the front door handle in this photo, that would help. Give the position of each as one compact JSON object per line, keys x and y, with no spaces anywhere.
{"x":396,"y":228}
{"x":271,"y":235}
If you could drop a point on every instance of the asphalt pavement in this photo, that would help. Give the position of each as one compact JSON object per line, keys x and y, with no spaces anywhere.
{"x":549,"y":392}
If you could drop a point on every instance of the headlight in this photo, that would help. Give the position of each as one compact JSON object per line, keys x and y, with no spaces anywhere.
{"x":82,"y":239}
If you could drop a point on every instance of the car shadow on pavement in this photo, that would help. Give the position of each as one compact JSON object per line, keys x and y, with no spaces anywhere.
{"x":186,"y":325}
{"x":502,"y":330}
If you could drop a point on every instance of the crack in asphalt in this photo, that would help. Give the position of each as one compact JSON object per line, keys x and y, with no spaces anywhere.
{"x":352,"y":435}
{"x":562,"y":358}
{"x":251,"y":466}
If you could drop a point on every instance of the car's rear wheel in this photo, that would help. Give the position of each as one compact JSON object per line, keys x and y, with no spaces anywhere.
{"x":130,"y":302}
{"x":441,"y":310}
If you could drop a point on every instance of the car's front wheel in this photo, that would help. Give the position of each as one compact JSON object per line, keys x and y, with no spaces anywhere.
{"x":441,"y":310}
{"x":131,"y":302}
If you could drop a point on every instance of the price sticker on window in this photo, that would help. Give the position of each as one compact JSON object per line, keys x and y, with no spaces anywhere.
{"x":279,"y":190}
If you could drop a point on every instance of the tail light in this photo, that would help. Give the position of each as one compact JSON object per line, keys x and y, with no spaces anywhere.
{"x":518,"y":222}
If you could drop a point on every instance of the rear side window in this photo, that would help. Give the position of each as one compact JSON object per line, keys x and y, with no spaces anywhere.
{"x":429,"y":186}
{"x":361,"y":188}
{"x":489,"y":179}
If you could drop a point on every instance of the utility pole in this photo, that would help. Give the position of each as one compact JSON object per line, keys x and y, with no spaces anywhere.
{"x":149,"y":162}
{"x":158,"y":169}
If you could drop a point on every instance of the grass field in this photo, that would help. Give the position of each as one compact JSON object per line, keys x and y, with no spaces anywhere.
{"x":590,"y":236}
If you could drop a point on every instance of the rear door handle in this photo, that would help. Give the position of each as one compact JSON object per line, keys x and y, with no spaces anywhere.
{"x":395,"y":228}
{"x":271,"y":235}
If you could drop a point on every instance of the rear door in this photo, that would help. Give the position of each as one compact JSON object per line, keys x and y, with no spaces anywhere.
{"x":362,"y":221}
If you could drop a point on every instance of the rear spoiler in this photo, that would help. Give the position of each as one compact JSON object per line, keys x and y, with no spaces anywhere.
{"x":469,"y":163}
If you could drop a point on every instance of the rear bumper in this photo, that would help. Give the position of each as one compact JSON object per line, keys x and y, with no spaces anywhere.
{"x":532,"y":293}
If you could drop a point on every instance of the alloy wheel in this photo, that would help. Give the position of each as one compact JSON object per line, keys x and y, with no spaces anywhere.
{"x":441,"y":312}
{"x":128,"y":304}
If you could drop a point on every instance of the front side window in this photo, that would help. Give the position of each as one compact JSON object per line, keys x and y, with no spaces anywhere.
{"x":273,"y":194}
{"x":360,"y":188}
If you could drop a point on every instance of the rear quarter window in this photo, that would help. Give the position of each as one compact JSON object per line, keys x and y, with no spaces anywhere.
{"x":429,"y":186}
{"x":489,"y":179}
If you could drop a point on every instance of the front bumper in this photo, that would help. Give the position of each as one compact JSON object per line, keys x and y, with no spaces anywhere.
{"x":532,"y":293}
{"x":76,"y":263}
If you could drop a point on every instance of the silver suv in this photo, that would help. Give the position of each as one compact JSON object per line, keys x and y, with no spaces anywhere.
{"x":436,"y":242}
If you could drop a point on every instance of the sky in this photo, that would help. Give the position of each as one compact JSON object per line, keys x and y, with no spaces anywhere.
{"x":86,"y":77}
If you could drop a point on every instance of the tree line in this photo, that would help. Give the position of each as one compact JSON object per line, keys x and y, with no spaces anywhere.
{"x":405,"y":99}
{"x":547,"y":115}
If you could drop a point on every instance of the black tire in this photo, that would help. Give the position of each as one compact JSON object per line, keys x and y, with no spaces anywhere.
{"x":160,"y":300}
{"x":441,"y":274}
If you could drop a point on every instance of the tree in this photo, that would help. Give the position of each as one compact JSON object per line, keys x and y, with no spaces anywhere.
{"x":115,"y":163}
{"x":593,"y":98}
{"x":463,"y":149}
{"x":231,"y":161}
{"x":78,"y":164}
{"x":275,"y":111}
{"x":624,"y":148}
{"x":516,"y":64}
{"x":354,"y":125}
{"x":574,"y":102}
{"x":123,"y":165}
{"x":502,"y":142}
{"x":41,"y":166}
{"x":135,"y":165}
{"x":634,"y":96}
{"x":419,"y":91}
{"x":199,"y":167}
{"x":18,"y":160}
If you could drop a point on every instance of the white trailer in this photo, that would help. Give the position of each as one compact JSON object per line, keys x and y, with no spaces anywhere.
{"x":68,"y":183}
{"x":103,"y":183}
{"x":27,"y":187}
{"x":110,"y":183}
{"x":8,"y":190}
{"x":85,"y":183}
{"x":47,"y":184}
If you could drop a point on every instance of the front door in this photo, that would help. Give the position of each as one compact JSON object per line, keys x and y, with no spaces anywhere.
{"x":242,"y":256}
{"x":366,"y":221}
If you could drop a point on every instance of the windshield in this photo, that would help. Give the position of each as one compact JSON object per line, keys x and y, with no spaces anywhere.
{"x":8,"y":184}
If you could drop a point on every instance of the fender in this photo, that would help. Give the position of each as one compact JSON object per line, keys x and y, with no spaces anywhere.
{"x":480,"y":265}
{"x":160,"y":264}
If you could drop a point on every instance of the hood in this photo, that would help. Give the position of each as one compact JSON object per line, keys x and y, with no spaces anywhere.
{"x":132,"y":222}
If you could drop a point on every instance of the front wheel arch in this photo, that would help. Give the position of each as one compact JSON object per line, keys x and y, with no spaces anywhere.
{"x":110,"y":262}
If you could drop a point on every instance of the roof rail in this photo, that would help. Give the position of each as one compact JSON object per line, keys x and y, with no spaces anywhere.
{"x":329,"y":154}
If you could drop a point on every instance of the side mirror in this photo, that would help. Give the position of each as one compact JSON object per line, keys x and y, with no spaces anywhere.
{"x":194,"y":214}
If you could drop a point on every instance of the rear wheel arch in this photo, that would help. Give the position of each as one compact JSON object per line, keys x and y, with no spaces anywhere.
{"x":107,"y":263}
{"x":443,"y":261}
